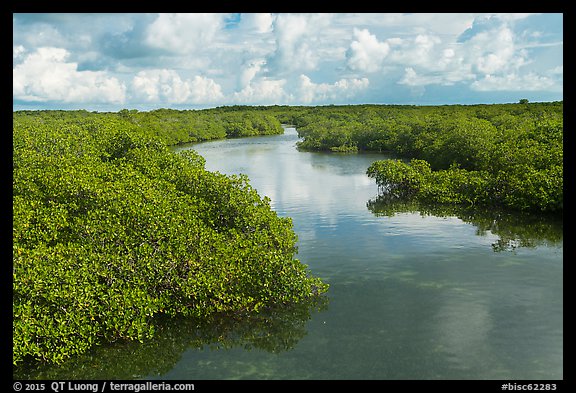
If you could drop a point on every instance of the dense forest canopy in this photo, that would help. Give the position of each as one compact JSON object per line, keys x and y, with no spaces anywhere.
{"x":111,"y":228}
{"x":510,"y":155}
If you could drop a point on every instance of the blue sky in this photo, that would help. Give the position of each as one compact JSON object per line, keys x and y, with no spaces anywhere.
{"x":108,"y":62}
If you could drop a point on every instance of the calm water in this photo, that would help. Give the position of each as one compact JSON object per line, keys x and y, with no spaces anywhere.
{"x":412,"y":295}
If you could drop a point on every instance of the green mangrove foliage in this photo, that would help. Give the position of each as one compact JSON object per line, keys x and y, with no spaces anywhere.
{"x":509,"y":155}
{"x":111,"y":229}
{"x":184,"y":126}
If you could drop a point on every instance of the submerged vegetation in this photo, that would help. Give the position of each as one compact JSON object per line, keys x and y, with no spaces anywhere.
{"x":272,"y":330}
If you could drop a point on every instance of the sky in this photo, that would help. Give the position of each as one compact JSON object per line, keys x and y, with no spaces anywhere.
{"x":109,"y":62}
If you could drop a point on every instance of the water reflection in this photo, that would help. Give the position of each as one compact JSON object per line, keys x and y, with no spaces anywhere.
{"x":514,"y":229}
{"x":274,"y":331}
{"x":415,"y":292}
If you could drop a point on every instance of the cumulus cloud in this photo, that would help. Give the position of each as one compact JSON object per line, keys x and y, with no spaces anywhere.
{"x":259,"y":23}
{"x":494,"y":51}
{"x":425,"y":58}
{"x":499,"y":60}
{"x":488,"y":55}
{"x":304,"y":92}
{"x":411,"y":78}
{"x":166,"y":86}
{"x":513,"y":82}
{"x":249,"y":71}
{"x":205,"y":90}
{"x":183,"y":33}
{"x":46,"y":75}
{"x":297,"y":41}
{"x":160,"y":85}
{"x":309,"y":91}
{"x":422,"y":50}
{"x":366,"y":53}
{"x":263,"y":58}
{"x":263,"y":91}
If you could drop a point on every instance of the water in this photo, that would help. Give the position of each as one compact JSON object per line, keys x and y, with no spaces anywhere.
{"x":412,"y":295}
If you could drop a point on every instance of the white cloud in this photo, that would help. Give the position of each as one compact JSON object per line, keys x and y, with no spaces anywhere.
{"x":494,"y":51}
{"x":249,"y":72}
{"x":391,"y":24}
{"x":46,"y":75}
{"x":298,"y":42}
{"x":425,"y":58}
{"x":260,"y":23}
{"x":249,"y":58}
{"x":205,"y":90}
{"x":166,"y":86}
{"x":160,"y":85}
{"x":411,"y":78}
{"x":183,"y":33}
{"x":264,"y":91}
{"x":422,"y":50}
{"x":366,"y":53}
{"x":513,"y":82}
{"x":305,"y":91}
{"x":309,"y":91}
{"x":489,"y":57}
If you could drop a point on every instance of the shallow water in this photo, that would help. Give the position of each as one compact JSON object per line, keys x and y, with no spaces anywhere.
{"x":411,"y":296}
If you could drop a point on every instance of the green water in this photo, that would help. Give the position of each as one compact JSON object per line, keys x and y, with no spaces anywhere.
{"x":414,"y":293}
